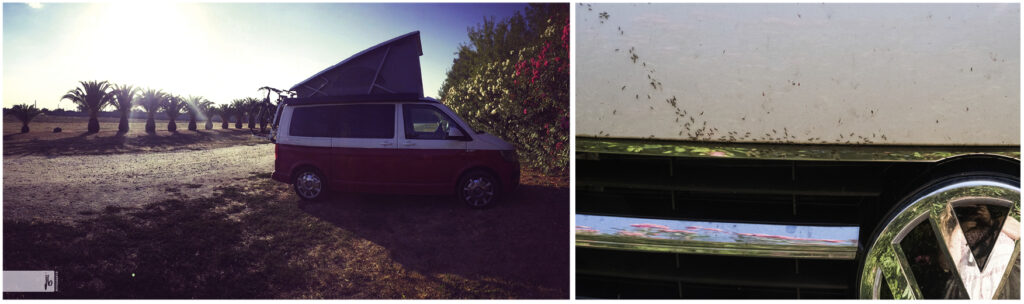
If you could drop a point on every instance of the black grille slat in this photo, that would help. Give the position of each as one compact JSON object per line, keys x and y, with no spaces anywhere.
{"x":703,"y":276}
{"x":711,"y":269}
{"x":720,"y":207}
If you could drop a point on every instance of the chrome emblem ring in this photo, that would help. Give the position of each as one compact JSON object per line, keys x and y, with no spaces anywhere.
{"x":960,"y":241}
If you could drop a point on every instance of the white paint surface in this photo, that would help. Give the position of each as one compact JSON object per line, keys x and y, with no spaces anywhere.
{"x":919,"y":74}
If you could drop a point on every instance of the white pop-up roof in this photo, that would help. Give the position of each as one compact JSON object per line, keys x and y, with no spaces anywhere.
{"x":391,"y":67}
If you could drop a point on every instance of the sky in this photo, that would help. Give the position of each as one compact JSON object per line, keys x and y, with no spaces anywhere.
{"x":221,"y":51}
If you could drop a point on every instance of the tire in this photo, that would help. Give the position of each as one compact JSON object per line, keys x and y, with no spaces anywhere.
{"x":478,"y":189}
{"x":309,"y":184}
{"x":937,"y":191}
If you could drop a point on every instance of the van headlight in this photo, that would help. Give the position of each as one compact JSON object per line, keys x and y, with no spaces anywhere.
{"x":509,"y":155}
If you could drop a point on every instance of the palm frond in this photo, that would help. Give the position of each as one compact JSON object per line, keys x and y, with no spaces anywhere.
{"x":91,"y":96}
{"x":123,"y":97}
{"x":173,"y":105}
{"x":24,"y":112}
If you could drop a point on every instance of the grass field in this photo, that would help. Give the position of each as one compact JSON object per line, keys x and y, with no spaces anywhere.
{"x":74,"y":140}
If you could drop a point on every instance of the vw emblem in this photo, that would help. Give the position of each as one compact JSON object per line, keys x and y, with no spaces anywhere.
{"x":959,"y":241}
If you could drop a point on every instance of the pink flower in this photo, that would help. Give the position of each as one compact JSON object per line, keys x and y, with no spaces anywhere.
{"x":524,"y":111}
{"x":717,"y":153}
{"x":627,"y":233}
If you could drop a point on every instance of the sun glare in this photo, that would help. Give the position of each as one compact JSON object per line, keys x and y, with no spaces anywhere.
{"x":147,"y":44}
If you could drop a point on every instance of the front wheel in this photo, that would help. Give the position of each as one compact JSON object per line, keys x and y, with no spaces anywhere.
{"x":478,"y":189}
{"x":309,"y":184}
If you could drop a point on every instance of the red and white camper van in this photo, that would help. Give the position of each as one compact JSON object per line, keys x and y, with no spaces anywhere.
{"x":363,"y":125}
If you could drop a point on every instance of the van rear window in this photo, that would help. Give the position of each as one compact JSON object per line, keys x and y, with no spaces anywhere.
{"x":344,"y":121}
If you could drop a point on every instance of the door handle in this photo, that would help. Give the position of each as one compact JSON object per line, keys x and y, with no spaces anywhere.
{"x":386,"y":143}
{"x":408,"y":143}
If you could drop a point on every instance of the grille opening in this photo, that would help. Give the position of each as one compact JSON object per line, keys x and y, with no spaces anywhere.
{"x":692,"y":205}
{"x":738,"y":190}
{"x":613,"y":274}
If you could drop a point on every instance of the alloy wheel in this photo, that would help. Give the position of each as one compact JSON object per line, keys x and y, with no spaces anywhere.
{"x":308,"y":185}
{"x":478,"y":191}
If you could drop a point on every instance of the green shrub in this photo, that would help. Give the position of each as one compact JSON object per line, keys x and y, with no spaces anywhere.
{"x":521,"y":94}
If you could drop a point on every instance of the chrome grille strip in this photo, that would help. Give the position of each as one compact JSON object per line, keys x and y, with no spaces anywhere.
{"x":590,"y":147}
{"x":716,"y":238}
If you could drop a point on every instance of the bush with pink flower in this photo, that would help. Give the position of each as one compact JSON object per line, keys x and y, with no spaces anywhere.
{"x":514,"y":83}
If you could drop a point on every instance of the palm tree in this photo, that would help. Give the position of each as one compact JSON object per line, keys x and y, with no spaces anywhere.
{"x":252,"y":109}
{"x":238,"y":107}
{"x":173,"y":106}
{"x":25,"y":113}
{"x":224,"y":111}
{"x":151,"y":100}
{"x":192,"y":108}
{"x":206,"y":109}
{"x":92,"y":96}
{"x":123,"y":95}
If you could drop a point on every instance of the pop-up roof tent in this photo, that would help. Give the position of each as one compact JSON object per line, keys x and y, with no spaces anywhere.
{"x":389,"y":68}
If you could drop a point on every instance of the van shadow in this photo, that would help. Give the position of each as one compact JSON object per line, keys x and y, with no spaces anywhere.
{"x":523,"y":239}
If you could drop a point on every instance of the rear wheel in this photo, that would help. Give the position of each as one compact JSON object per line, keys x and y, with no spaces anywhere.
{"x":478,"y":189}
{"x":309,"y":184}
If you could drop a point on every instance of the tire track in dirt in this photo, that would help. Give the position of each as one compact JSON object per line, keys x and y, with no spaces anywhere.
{"x":72,"y":187}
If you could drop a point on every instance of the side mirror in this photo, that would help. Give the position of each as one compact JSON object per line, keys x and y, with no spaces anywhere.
{"x":456,"y":134}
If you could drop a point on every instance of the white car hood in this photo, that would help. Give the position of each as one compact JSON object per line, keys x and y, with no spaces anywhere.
{"x":486,"y":141}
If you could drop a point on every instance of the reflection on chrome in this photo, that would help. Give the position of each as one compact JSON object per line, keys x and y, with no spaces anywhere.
{"x":719,"y":238}
{"x":960,"y":241}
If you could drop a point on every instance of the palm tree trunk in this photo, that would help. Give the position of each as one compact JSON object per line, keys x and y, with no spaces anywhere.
{"x":224,"y":124}
{"x":94,"y":123}
{"x":238,"y":122}
{"x":209,"y":123}
{"x":122,"y":127}
{"x":171,"y":126}
{"x":252,"y":121}
{"x":192,"y":123}
{"x":24,"y":127}
{"x":150,"y":123}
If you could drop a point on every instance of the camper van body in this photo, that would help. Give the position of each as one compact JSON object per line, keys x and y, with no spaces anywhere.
{"x":391,"y":145}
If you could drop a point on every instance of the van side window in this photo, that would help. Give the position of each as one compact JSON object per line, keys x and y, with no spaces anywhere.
{"x":311,"y":122}
{"x":425,"y":122}
{"x":345,"y":121}
{"x":365,"y":121}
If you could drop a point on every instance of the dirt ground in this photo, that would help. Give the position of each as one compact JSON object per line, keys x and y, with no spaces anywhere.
{"x":73,"y":140}
{"x":72,"y":187}
{"x":203,"y":220}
